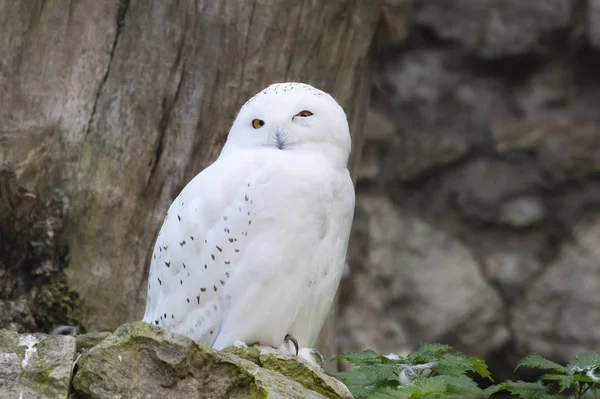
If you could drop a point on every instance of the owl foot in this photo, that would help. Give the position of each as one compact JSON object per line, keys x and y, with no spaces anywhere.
{"x":313,"y":356}
{"x":240,"y":345}
{"x":290,"y":337}
{"x":309,"y":354}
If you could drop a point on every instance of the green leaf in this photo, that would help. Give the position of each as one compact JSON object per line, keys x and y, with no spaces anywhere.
{"x":462,"y":385}
{"x":525,"y":390}
{"x":458,"y":364}
{"x":372,"y":373}
{"x":481,"y":368}
{"x":423,"y":386}
{"x":452,"y":365}
{"x":586,"y":379}
{"x":565,"y":381}
{"x":427,"y":352}
{"x":432,"y":349}
{"x":363,"y":381}
{"x":376,"y":376}
{"x":359,"y":357}
{"x":585,"y":361}
{"x":390,"y":393}
{"x":535,"y":361}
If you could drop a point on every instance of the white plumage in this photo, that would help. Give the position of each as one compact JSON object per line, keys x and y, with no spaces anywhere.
{"x":253,"y":248}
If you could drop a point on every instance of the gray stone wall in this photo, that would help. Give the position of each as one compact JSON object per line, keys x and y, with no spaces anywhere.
{"x":478,"y":207}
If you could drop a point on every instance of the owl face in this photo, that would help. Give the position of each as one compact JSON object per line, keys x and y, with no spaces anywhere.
{"x":289,"y":117}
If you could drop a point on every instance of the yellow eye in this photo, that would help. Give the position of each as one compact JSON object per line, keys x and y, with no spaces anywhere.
{"x":257,"y":123}
{"x":304,"y":113}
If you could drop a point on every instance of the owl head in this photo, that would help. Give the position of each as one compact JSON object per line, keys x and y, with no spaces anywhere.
{"x":292,"y":117}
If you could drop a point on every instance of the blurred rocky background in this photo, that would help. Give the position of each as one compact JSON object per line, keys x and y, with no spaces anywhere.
{"x":478,"y":207}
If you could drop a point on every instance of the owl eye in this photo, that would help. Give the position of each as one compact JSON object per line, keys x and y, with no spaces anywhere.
{"x":304,"y":113}
{"x":257,"y":123}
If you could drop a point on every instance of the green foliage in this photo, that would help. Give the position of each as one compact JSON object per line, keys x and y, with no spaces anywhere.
{"x":528,"y":390}
{"x":537,"y":362}
{"x":437,"y":371}
{"x":581,"y":378}
{"x":433,"y":371}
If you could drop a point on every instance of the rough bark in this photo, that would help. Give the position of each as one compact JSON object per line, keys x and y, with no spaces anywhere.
{"x":121,"y":103}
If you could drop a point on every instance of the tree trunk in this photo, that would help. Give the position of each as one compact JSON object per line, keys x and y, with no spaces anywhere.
{"x":121,"y":103}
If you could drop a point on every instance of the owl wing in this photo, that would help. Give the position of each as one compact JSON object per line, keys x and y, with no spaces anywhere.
{"x":195,"y":251}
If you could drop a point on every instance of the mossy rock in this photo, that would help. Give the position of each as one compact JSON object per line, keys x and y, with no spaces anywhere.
{"x":86,"y":342}
{"x":140,"y":360}
{"x":35,"y":365}
{"x":298,"y":369}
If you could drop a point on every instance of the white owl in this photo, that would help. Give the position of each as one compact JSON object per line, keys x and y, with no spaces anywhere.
{"x":253,"y":249}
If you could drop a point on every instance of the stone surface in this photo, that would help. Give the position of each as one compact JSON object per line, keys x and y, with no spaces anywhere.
{"x":85,"y":342}
{"x":490,"y":180}
{"x":35,"y":366}
{"x":593,"y":26}
{"x":417,"y":284}
{"x":141,"y":360}
{"x":495,"y":28}
{"x":511,"y":271}
{"x":560,"y":313}
{"x":295,"y":368}
{"x":440,"y":111}
{"x":566,"y":149}
{"x":493,"y":190}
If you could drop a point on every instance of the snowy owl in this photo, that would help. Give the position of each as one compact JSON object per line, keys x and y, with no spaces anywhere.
{"x":253,"y":248}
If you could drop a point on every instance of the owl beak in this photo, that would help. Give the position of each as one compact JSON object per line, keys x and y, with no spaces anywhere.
{"x":279,"y":141}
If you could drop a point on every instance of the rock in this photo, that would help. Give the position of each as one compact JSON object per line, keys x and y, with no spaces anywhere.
{"x":522,"y":212}
{"x":140,"y":360}
{"x":494,"y":191}
{"x":559,"y":315}
{"x":416,"y":284}
{"x":297,"y":369}
{"x":493,"y":162}
{"x":35,"y":365}
{"x":85,"y":342}
{"x":566,"y":149}
{"x":545,"y":93}
{"x":495,"y":28}
{"x":440,"y":112}
{"x":511,"y":271}
{"x":593,"y":26}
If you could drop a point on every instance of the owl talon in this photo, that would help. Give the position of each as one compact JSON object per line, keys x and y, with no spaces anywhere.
{"x":290,"y":337}
{"x":312,"y":355}
{"x":321,"y":360}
